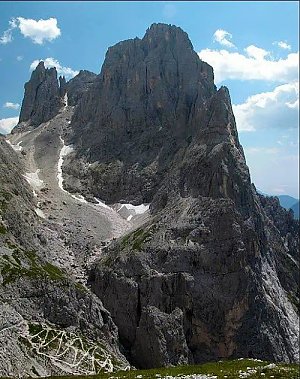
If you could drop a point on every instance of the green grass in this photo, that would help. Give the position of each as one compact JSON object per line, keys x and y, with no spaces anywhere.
{"x":2,"y":229}
{"x":131,"y":243}
{"x":221,"y":370}
{"x":53,"y":272}
{"x":26,"y":264}
{"x":136,"y":239}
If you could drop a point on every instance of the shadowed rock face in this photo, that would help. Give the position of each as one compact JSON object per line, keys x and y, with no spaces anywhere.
{"x":45,"y":95}
{"x":42,"y":99}
{"x":77,"y":86}
{"x":144,"y":106}
{"x":158,"y":130}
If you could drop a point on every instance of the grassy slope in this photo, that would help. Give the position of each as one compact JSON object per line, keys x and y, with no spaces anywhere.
{"x":242,"y":368}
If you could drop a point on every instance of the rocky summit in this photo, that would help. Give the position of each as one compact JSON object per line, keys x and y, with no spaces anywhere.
{"x":130,"y":232}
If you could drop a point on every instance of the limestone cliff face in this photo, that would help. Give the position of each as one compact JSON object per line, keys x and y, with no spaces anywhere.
{"x":78,"y":85}
{"x":156,"y":129}
{"x":42,"y":99}
{"x":45,"y":94}
{"x":144,"y":106}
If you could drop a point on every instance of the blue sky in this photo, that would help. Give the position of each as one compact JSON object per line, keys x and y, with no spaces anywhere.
{"x":253,"y":47}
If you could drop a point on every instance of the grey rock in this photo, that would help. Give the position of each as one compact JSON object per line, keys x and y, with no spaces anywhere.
{"x":139,"y":112}
{"x":45,"y":94}
{"x":212,"y":249}
{"x":62,"y":86}
{"x":122,"y":296}
{"x":160,"y":339}
{"x":37,"y":297}
{"x":42,"y":99}
{"x":78,"y":85}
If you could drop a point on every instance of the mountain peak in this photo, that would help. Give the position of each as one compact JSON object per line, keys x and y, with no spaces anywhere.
{"x":41,"y":71}
{"x":40,"y":66}
{"x":42,"y":96}
{"x":45,"y":94}
{"x":159,"y":32}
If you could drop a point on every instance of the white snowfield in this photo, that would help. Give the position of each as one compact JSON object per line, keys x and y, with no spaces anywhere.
{"x":79,"y":198}
{"x":138,"y":209}
{"x":16,"y":147}
{"x":65,"y":150}
{"x":66,"y":99}
{"x":40,"y":213}
{"x":130,"y":210}
{"x":33,"y":179}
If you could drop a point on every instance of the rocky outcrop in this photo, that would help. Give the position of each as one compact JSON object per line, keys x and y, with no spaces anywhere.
{"x":42,"y":99}
{"x":212,"y":249}
{"x":164,"y":335}
{"x":295,"y":208}
{"x":287,"y":233}
{"x":79,"y":85}
{"x":16,"y":198}
{"x":45,"y":94}
{"x":235,"y":284}
{"x":143,"y":107}
{"x":62,"y":86}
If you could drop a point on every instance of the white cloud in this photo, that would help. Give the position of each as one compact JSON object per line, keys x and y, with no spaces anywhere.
{"x":276,"y":109}
{"x":256,"y":52}
{"x":7,"y":34}
{"x":38,"y":31}
{"x":6,"y":37}
{"x":51,"y":62}
{"x":223,"y":38}
{"x":6,"y":124}
{"x":20,"y":58}
{"x":10,"y":105}
{"x":282,"y":45}
{"x":253,"y":66}
{"x":13,"y":23}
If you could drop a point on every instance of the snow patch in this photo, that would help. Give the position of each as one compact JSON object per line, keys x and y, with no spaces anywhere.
{"x":138,"y":209}
{"x":128,"y":211}
{"x":79,"y":198}
{"x":16,"y":147}
{"x":66,"y":103}
{"x":65,"y":150}
{"x":40,"y":213}
{"x":33,"y":179}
